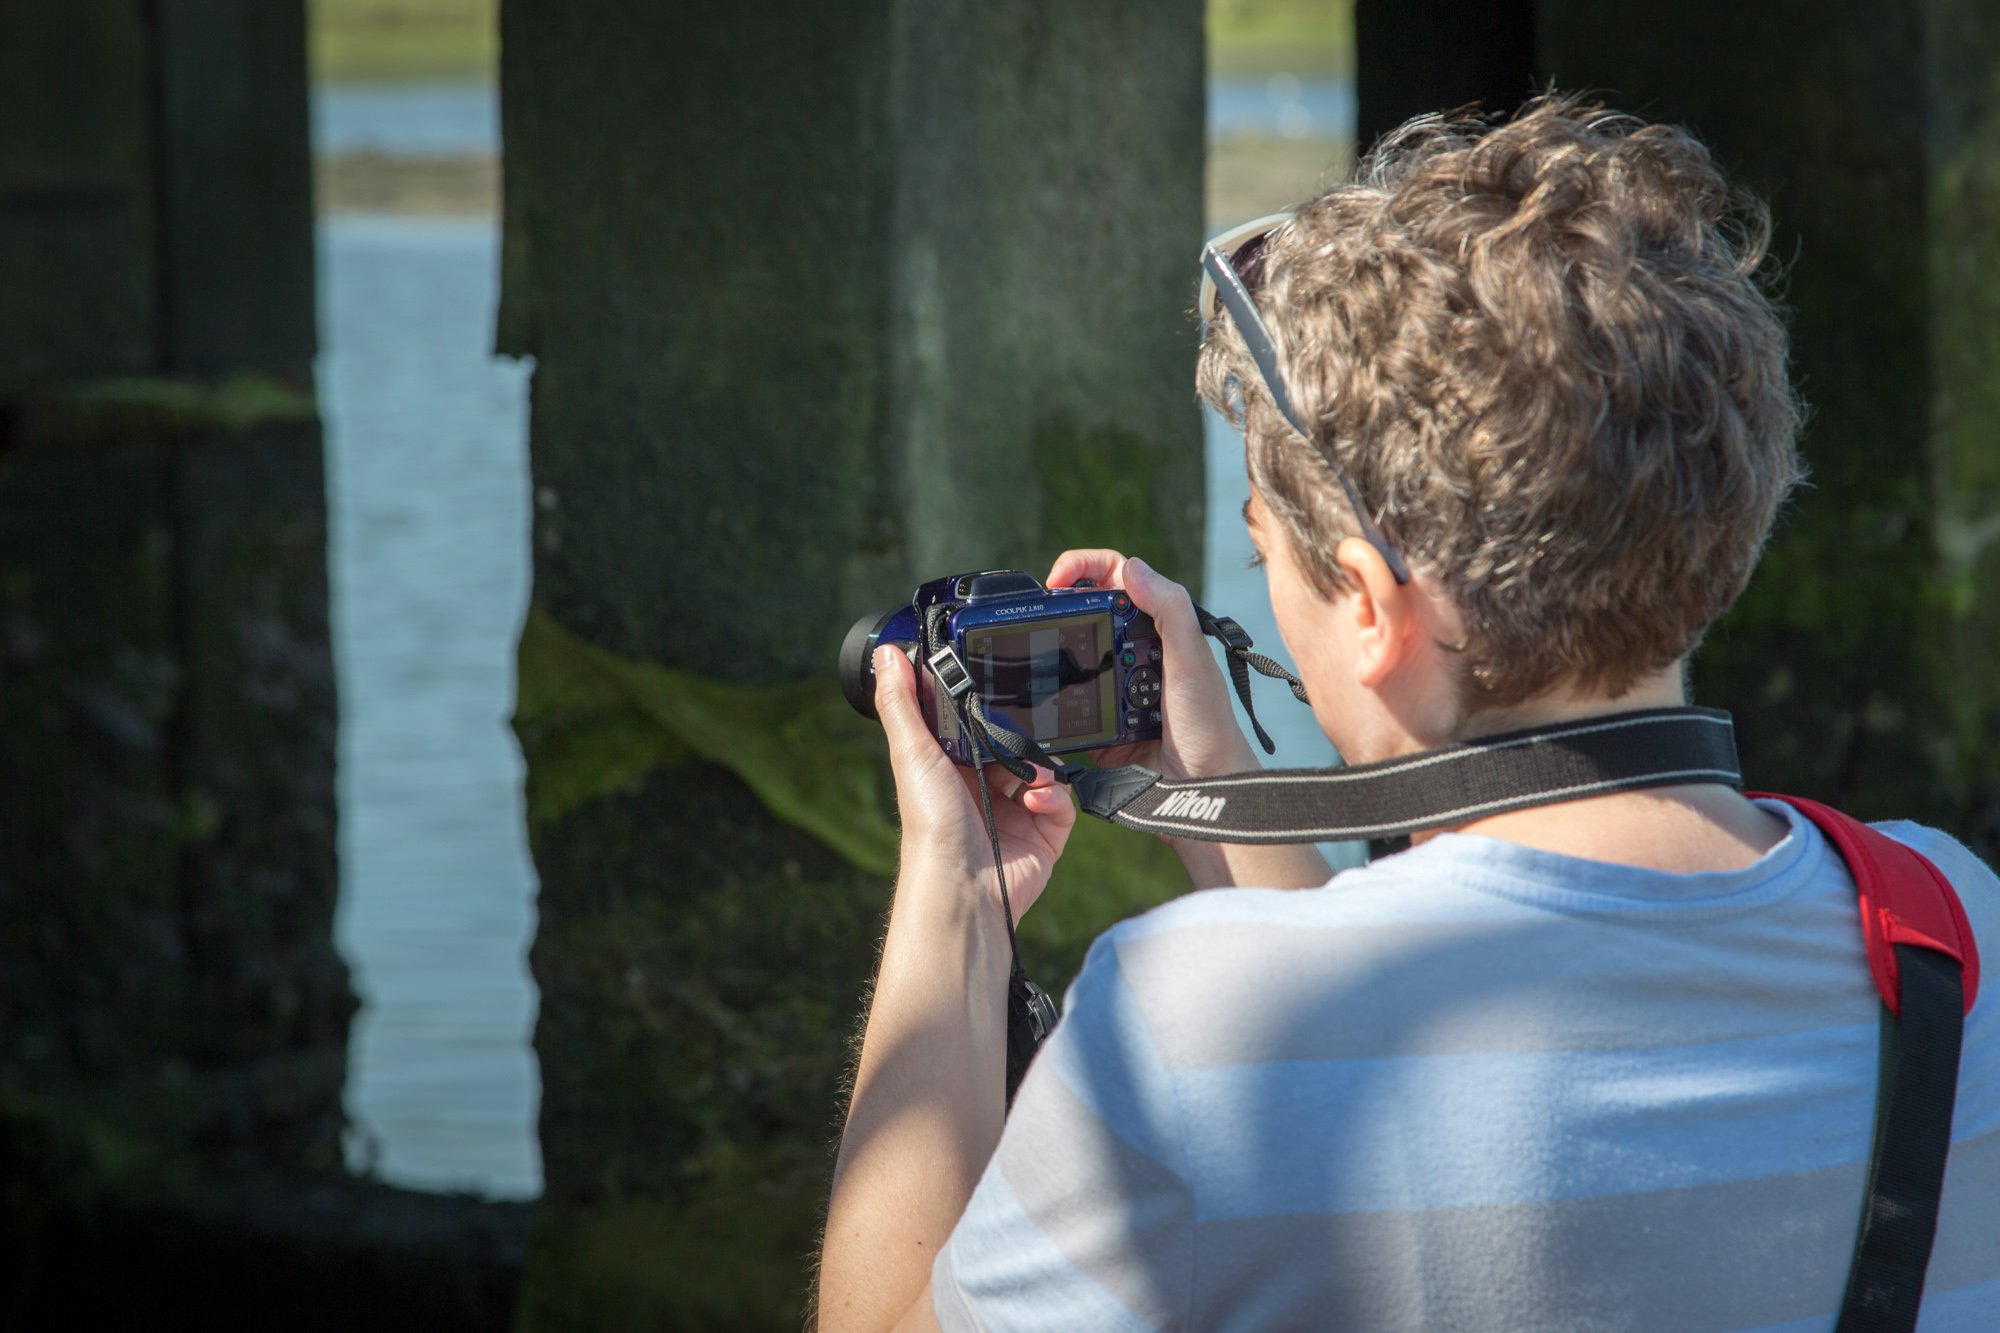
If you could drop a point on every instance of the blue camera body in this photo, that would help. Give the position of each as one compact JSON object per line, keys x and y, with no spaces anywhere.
{"x":1073,"y":668}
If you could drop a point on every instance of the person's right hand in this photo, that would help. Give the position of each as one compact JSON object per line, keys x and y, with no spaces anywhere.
{"x":1199,"y":735}
{"x":1200,"y":738}
{"x":944,"y":828}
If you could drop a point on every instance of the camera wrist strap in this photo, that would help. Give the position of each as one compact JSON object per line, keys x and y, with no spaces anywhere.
{"x":1031,"y":1014}
{"x":1236,"y":647}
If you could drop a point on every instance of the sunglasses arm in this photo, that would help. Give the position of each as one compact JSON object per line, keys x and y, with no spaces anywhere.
{"x":1263,"y":351}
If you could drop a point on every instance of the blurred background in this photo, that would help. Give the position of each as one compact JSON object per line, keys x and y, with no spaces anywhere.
{"x":443,"y":441}
{"x":426,"y":436}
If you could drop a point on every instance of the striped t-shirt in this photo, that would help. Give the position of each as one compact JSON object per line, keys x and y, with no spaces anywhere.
{"x":1475,"y":1087}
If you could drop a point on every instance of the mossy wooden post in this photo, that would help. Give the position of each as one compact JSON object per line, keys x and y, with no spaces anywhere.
{"x":822,"y":299}
{"x":171,"y":1007}
{"x":1862,"y":662}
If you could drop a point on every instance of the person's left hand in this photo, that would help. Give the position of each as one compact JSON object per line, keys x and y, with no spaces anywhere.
{"x":1199,"y":736}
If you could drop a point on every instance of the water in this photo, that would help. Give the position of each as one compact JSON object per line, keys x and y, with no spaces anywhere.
{"x":1232,"y":588}
{"x":1281,"y":106}
{"x":406,"y":120}
{"x":427,"y":484}
{"x":428,"y":493}
{"x":433,"y":120}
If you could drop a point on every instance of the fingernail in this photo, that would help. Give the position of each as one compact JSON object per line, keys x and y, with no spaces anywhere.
{"x":1145,"y":571}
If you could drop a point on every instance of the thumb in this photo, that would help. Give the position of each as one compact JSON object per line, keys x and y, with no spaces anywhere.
{"x":896,"y":703}
{"x":1165,"y":601}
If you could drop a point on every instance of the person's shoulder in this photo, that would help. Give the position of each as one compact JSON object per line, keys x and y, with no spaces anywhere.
{"x":1967,"y":873}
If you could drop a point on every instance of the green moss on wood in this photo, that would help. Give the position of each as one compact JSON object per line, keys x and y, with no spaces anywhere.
{"x":649,"y":1267}
{"x":1100,"y":487}
{"x":1965,"y":446}
{"x":101,"y":411}
{"x":593,"y":722}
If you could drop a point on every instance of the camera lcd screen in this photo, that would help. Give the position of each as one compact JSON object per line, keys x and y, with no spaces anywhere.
{"x":1052,"y":679}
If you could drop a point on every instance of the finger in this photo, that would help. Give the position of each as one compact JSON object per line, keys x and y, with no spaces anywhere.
{"x":896,"y":702}
{"x":1047,"y":801}
{"x":1010,"y":788}
{"x":1100,"y":566}
{"x":1167,"y":603}
{"x":1003,"y":784}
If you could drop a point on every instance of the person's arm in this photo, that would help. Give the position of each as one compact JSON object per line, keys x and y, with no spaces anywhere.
{"x":1201,"y":737}
{"x":929,"y":1090}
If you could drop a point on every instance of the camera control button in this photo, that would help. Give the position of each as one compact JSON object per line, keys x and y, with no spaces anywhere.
{"x":1129,"y":658}
{"x":1131,"y":722}
{"x":1121,"y":604}
{"x":1153,"y":716}
{"x":1142,"y":687}
{"x":1153,"y":654}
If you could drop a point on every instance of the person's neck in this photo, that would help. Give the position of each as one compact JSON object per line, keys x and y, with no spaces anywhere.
{"x":1685,"y":830}
{"x":1662,"y":689}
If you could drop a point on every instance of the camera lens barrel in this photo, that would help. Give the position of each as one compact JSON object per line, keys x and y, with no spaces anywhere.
{"x":857,"y":661}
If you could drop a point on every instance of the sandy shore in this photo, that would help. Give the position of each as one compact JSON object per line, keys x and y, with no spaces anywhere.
{"x":1247,"y":178}
{"x":432,"y":186}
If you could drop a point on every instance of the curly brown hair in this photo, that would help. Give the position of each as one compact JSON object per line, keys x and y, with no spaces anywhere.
{"x":1544,"y":352}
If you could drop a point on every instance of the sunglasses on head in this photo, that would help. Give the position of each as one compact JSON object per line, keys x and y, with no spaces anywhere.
{"x":1232,"y":266}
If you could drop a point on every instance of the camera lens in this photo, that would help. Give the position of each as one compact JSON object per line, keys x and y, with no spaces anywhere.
{"x":857,"y":661}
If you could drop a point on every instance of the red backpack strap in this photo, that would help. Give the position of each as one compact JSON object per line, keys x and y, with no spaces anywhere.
{"x":1904,"y":900}
{"x":1926,"y":966}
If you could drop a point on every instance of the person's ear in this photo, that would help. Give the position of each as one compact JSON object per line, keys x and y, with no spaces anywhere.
{"x":1384,"y":611}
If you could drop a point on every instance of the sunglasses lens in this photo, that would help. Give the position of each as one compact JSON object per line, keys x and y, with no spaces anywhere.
{"x":1248,"y":260}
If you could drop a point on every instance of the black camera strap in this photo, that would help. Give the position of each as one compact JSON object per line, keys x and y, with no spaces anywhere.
{"x":1440,"y":788}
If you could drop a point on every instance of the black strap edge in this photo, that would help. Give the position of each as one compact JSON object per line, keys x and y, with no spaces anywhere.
{"x":1104,"y":792}
{"x":1541,"y":735}
{"x":1203,"y":832}
{"x":1911,"y":1145}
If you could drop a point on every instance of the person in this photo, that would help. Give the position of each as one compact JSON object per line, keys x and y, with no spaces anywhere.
{"x":1603,"y":1064}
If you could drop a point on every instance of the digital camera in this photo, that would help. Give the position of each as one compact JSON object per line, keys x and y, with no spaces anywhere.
{"x":1071,"y":668}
